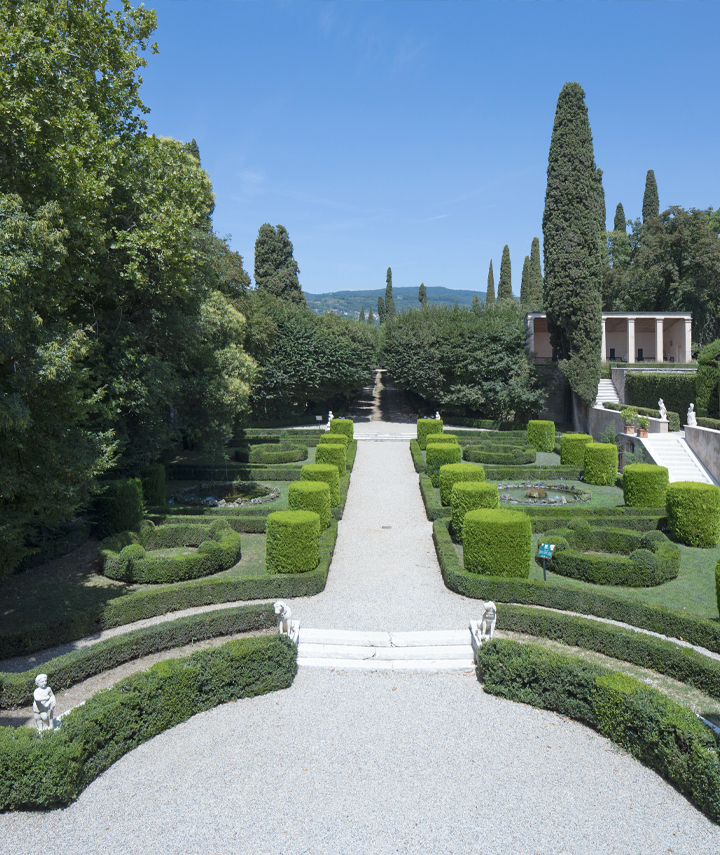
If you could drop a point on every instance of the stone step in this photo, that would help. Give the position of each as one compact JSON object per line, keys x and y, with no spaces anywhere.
{"x":390,"y":665}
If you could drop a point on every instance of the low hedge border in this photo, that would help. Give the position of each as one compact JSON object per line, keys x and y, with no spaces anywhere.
{"x":552,"y":595}
{"x":233,"y":472}
{"x":172,"y":598}
{"x":673,"y":418}
{"x":662,"y":734}
{"x":275,"y":453}
{"x":16,"y":689}
{"x":500,"y":427}
{"x":41,"y":771}
{"x":542,"y":473}
{"x":251,"y":522}
{"x":499,"y":455}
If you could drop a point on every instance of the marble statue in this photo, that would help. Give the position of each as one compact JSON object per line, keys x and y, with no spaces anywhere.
{"x":691,"y":416}
{"x":483,"y":629}
{"x":43,"y":704}
{"x":663,"y":410}
{"x":286,"y":625}
{"x":437,"y":415}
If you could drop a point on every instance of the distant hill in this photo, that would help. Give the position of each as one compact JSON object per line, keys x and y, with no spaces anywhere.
{"x":347,"y":303}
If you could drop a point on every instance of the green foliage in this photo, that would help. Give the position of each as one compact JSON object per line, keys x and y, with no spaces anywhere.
{"x":673,"y":418}
{"x":651,"y":200}
{"x":453,"y":473}
{"x":497,"y":542}
{"x":713,"y":424}
{"x":645,"y":389}
{"x":572,"y":448}
{"x":273,"y":453}
{"x":427,"y":427}
{"x":619,"y":223}
{"x":311,"y":496}
{"x":499,"y":454}
{"x":361,"y":316}
{"x":326,"y":472}
{"x":422,"y":295}
{"x":120,"y":507}
{"x":333,"y":453}
{"x":504,"y":291}
{"x":644,"y":485}
{"x":153,"y":484}
{"x":470,"y":496}
{"x":344,"y":426}
{"x":541,"y":434}
{"x":370,"y":318}
{"x":334,"y":437}
{"x":381,"y":310}
{"x":573,"y":230}
{"x":437,"y":455}
{"x":693,"y":512}
{"x":441,"y":437}
{"x":389,"y":302}
{"x":601,"y":464}
{"x":292,"y":541}
{"x":707,"y":381}
{"x":276,"y":270}
{"x":717,"y":582}
{"x":536,"y":277}
{"x":525,"y":283}
{"x":490,"y":293}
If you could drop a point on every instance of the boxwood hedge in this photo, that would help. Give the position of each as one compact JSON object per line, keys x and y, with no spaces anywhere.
{"x":601,"y":464}
{"x":693,"y":512}
{"x":327,"y":472}
{"x":437,"y":455}
{"x":470,"y":496}
{"x":541,"y":435}
{"x":311,"y":496}
{"x":275,"y":453}
{"x":329,"y":452}
{"x":425,"y":427}
{"x":499,"y":454}
{"x":644,"y":485}
{"x":342,"y":426}
{"x":572,"y":448}
{"x":292,"y":543}
{"x":120,"y":507}
{"x":451,"y":473}
{"x":497,"y":542}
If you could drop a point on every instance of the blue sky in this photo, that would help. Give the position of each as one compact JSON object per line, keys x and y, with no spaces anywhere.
{"x":415,"y":134}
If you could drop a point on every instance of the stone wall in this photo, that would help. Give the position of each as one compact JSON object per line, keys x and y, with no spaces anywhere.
{"x":705,"y":442}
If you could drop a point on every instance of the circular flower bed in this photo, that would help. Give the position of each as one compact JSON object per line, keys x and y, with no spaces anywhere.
{"x":569,"y":494}
{"x":228,"y":494}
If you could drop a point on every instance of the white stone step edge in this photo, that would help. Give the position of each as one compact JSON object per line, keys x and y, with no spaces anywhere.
{"x":665,"y":448}
{"x":417,"y":665}
{"x":344,"y":651}
{"x":421,"y":638}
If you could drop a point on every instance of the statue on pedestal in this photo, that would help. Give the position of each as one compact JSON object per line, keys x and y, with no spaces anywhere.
{"x":43,"y":704}
{"x":691,"y":416}
{"x":663,"y":410}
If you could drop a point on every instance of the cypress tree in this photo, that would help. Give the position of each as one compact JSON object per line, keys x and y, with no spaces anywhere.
{"x":619,"y":224}
{"x":504,"y":290}
{"x":381,"y":310}
{"x":389,"y":302}
{"x":275,"y":269}
{"x":422,"y":295}
{"x":490,"y":293}
{"x":572,"y":235}
{"x":361,"y":316}
{"x":651,"y":200}
{"x":475,"y":301}
{"x":370,"y":318}
{"x":525,"y":283}
{"x":192,"y":147}
{"x":535,"y":275}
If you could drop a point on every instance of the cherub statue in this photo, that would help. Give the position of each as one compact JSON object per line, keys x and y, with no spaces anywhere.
{"x":483,"y":629}
{"x":43,"y":704}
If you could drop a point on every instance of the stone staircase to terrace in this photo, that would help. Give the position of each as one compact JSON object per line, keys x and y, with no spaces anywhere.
{"x":606,"y":392}
{"x":672,"y":451}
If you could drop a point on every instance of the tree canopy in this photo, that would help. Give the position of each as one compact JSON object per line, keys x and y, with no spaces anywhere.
{"x":651,"y":200}
{"x":490,"y":291}
{"x":535,"y":275}
{"x":276,"y":270}
{"x":504,"y":291}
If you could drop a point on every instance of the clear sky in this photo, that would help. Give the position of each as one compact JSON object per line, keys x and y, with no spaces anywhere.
{"x":415,"y":134}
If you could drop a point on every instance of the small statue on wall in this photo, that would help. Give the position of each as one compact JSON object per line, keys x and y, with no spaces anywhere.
{"x":663,"y":410}
{"x":285,"y":623}
{"x":43,"y":704}
{"x":691,"y":416}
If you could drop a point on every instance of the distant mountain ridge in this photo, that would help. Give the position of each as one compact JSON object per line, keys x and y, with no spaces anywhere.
{"x":348,"y":303}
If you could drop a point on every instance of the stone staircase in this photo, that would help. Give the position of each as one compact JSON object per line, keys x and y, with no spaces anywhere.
{"x":672,"y":451}
{"x":606,"y":392}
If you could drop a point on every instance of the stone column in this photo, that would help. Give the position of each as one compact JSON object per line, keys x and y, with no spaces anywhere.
{"x":603,"y":352}
{"x":659,"y":339}
{"x":631,"y":339}
{"x":687,"y":340}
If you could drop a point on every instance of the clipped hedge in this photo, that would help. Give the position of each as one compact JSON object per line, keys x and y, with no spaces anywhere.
{"x":439,"y":454}
{"x":601,"y":464}
{"x":327,"y":472}
{"x":335,"y":454}
{"x":425,"y":427}
{"x":120,"y":507}
{"x":499,"y":454}
{"x":572,"y":448}
{"x":541,"y":434}
{"x":470,"y":496}
{"x":342,"y":426}
{"x":292,"y":543}
{"x":654,"y":729}
{"x":153,"y":484}
{"x":451,"y":473}
{"x":644,"y":485}
{"x":334,"y":439}
{"x":417,"y":457}
{"x":707,"y":381}
{"x":677,"y":389}
{"x":43,"y":771}
{"x":497,"y":542}
{"x":277,"y":453}
{"x":542,"y":473}
{"x":713,"y":424}
{"x":693,"y":512}
{"x":673,"y":417}
{"x":233,"y":472}
{"x":311,"y":496}
{"x":440,"y":438}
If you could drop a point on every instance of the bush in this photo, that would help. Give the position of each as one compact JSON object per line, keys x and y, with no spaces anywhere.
{"x":644,"y":485}
{"x":601,"y":464}
{"x":440,"y":438}
{"x":333,"y":454}
{"x":327,"y":472}
{"x":497,"y":543}
{"x":342,"y":426}
{"x":311,"y":496}
{"x":153,"y":485}
{"x":334,"y":439}
{"x":713,"y":424}
{"x":470,"y":496}
{"x":451,"y":473}
{"x":499,"y":454}
{"x":541,"y":435}
{"x":277,"y":453}
{"x":673,"y":418}
{"x":120,"y":507}
{"x":677,"y":389}
{"x":572,"y":448}
{"x":437,"y":455}
{"x":707,"y":381}
{"x":693,"y":512}
{"x":425,"y":427}
{"x":292,"y":542}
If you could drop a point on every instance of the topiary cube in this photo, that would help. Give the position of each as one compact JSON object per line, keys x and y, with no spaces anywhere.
{"x":450,"y":473}
{"x":572,"y":448}
{"x":438,"y":454}
{"x":693,"y":512}
{"x":311,"y":496}
{"x":470,"y":496}
{"x":331,"y":453}
{"x":645,"y":485}
{"x":425,"y":427}
{"x":440,"y":437}
{"x":292,"y":542}
{"x":497,"y":542}
{"x":342,"y":426}
{"x":541,"y":435}
{"x":327,"y":472}
{"x":335,"y":438}
{"x":601,"y":464}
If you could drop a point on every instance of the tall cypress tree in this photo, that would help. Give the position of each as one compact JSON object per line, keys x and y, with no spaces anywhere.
{"x":535,"y":275}
{"x":370,"y":318}
{"x":422,"y":295}
{"x":490,"y":293}
{"x":651,"y":200}
{"x":381,"y":310}
{"x":619,"y":224}
{"x":275,"y":269}
{"x":361,"y":316}
{"x":505,"y":283}
{"x":525,"y":283}
{"x":389,"y":302}
{"x":572,"y":234}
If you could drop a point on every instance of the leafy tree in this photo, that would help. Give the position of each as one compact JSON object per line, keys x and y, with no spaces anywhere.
{"x":389,"y":302}
{"x":504,"y":290}
{"x":475,"y":302}
{"x":535,"y":276}
{"x":370,"y":318}
{"x":619,"y":224}
{"x":382,"y":311}
{"x":525,"y":282}
{"x":422,"y":295}
{"x":490,"y":293}
{"x":361,"y":317}
{"x":276,"y":270}
{"x":651,"y":200}
{"x":572,"y":234}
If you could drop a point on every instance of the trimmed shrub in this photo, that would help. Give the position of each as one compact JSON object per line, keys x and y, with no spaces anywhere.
{"x":292,"y":543}
{"x":120,"y":507}
{"x":153,"y":485}
{"x":274,"y":453}
{"x":541,"y":435}
{"x":334,"y":439}
{"x":644,"y":485}
{"x":693,"y":512}
{"x":451,"y":473}
{"x":427,"y":426}
{"x":311,"y":496}
{"x":437,"y":455}
{"x":572,"y":448}
{"x":717,"y":583}
{"x":342,"y":426}
{"x":327,"y":472}
{"x":713,"y":424}
{"x":601,"y":464}
{"x":470,"y":496}
{"x":330,"y":452}
{"x":677,"y":389}
{"x":497,"y":543}
{"x":707,"y":381}
{"x":493,"y":453}
{"x":440,"y":438}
